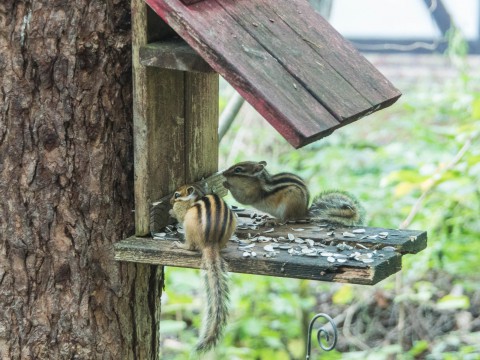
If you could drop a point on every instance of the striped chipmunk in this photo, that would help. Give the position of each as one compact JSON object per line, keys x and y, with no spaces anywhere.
{"x":208,"y":223}
{"x":286,"y":197}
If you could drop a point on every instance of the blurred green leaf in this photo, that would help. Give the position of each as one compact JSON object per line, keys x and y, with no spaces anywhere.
{"x":453,"y":302}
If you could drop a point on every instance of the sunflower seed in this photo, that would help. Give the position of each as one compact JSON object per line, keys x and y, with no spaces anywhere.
{"x":249,"y":246}
{"x":362,"y":246}
{"x":310,"y":242}
{"x":312,"y":254}
{"x":291,"y":237}
{"x":285,"y":246}
{"x":254,"y":254}
{"x":269,"y":230}
{"x":367,"y":261}
{"x":298,"y":229}
{"x":344,"y":246}
{"x":341,"y":260}
{"x":268,"y":247}
{"x":159,"y":235}
{"x":326,"y":254}
{"x":412,"y":238}
{"x":246,"y":254}
{"x":348,"y":234}
{"x":389,"y":248}
{"x":299,"y":241}
{"x":331,"y":259}
{"x":358,"y":231}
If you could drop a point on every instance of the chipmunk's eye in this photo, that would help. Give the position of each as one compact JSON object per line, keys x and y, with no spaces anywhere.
{"x":176,"y":195}
{"x":237,"y":170}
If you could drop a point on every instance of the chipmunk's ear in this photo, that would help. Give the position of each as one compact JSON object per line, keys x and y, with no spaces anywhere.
{"x":260,"y":166}
{"x":190,"y":190}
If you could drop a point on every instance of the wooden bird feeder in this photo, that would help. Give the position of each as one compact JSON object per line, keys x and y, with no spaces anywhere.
{"x":294,"y":68}
{"x":297,"y":71}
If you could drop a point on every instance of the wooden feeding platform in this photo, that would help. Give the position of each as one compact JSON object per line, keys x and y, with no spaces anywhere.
{"x":305,"y":250}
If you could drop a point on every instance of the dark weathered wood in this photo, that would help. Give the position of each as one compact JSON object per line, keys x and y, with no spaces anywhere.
{"x":272,"y":54}
{"x":299,"y":58}
{"x":153,"y":251}
{"x":201,"y":125}
{"x":148,"y":84}
{"x":404,"y":241}
{"x":189,"y":2}
{"x":158,"y":116}
{"x":173,"y":54}
{"x":385,"y":245}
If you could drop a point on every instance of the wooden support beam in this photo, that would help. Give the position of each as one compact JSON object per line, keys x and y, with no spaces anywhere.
{"x":148,"y":279}
{"x":174,"y":54}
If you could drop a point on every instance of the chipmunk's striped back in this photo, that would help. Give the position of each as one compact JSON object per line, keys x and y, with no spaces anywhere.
{"x":281,"y":181}
{"x":208,"y":224}
{"x":283,"y":195}
{"x":210,"y":221}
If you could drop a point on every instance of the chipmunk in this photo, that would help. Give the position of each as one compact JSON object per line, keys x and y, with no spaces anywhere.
{"x":286,"y":196}
{"x":208,"y":223}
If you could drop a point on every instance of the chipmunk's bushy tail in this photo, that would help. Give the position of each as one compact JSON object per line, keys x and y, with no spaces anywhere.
{"x":215,"y":277}
{"x":337,"y":207}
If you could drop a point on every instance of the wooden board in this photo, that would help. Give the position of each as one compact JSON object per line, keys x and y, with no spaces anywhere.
{"x":285,"y":59}
{"x":173,"y":54}
{"x":329,"y":243}
{"x":175,"y":128}
{"x":403,"y":241}
{"x":155,"y":251}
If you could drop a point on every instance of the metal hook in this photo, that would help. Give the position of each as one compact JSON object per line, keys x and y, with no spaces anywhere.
{"x":324,"y":332}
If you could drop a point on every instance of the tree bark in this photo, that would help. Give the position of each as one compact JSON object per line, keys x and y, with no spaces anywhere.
{"x":66,"y":185}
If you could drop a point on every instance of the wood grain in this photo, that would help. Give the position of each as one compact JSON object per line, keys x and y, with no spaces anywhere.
{"x":404,"y":241}
{"x":153,"y":251}
{"x":305,"y":85}
{"x":386,"y":246}
{"x":173,"y":54}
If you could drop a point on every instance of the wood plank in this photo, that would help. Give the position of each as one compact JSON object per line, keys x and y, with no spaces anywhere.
{"x":158,"y":110}
{"x":255,"y":73}
{"x":302,"y":100}
{"x":403,"y":241}
{"x":189,"y":2}
{"x":282,"y":264}
{"x":173,"y":54}
{"x":272,"y":30}
{"x":146,"y":304}
{"x":201,"y":126}
{"x":340,"y":54}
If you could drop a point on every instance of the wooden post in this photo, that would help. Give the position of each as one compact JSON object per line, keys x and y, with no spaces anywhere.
{"x":175,"y":116}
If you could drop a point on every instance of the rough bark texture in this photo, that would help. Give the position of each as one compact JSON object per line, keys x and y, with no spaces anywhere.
{"x":66,"y":183}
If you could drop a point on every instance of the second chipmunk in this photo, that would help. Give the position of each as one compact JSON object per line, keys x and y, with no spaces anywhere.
{"x":208,"y":223}
{"x":286,"y":196}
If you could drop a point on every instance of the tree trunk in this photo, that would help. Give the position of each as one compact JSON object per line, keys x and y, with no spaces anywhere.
{"x":66,"y":185}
